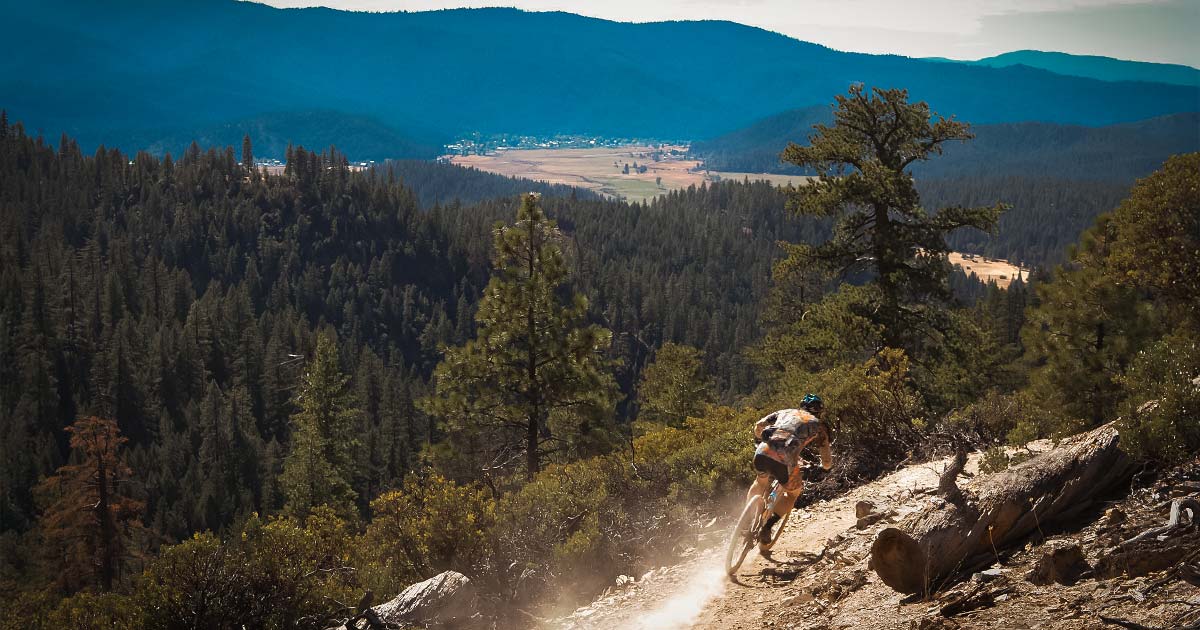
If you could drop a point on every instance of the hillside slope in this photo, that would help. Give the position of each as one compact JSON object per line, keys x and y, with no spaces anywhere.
{"x":183,"y":66}
{"x":1120,"y":152}
{"x":817,"y":577}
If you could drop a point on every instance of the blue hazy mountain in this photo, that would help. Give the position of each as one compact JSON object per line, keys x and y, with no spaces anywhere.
{"x":361,"y":137}
{"x":1094,"y":67}
{"x":138,"y":73}
{"x":1118,"y":152}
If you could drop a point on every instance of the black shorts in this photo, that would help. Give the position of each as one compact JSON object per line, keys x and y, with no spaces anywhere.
{"x":778,"y":470}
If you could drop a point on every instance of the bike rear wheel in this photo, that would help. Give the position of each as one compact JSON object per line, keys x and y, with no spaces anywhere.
{"x":742,"y":538}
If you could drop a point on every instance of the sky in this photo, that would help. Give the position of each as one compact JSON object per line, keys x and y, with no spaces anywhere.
{"x":1143,"y":30}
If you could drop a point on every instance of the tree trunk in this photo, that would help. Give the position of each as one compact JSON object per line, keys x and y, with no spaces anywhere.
{"x":951,"y":536}
{"x":104,"y":515}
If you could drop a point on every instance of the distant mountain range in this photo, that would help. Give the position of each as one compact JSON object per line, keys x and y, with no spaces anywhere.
{"x":1119,"y":152}
{"x":1092,"y":67}
{"x":361,"y":137}
{"x":154,"y":73}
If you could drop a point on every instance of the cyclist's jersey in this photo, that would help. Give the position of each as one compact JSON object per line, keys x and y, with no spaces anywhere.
{"x":786,"y":432}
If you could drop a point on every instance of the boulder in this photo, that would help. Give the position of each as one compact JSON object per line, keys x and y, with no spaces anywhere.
{"x":1061,"y":564}
{"x":447,"y":599}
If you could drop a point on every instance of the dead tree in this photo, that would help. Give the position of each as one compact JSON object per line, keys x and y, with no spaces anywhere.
{"x":956,"y":533}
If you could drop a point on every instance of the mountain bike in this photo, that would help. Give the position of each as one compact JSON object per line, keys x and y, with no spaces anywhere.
{"x":745,"y":534}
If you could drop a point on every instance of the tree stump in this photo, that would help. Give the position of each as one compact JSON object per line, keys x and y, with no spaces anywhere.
{"x":953,"y":535}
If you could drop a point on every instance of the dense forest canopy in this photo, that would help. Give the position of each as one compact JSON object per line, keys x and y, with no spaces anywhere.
{"x":183,"y":296}
{"x":1057,"y":178}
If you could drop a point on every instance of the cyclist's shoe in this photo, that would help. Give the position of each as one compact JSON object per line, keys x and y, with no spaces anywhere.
{"x":764,"y":534}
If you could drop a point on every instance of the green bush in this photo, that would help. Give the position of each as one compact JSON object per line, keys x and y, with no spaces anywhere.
{"x":869,"y":405}
{"x":93,"y":611}
{"x":574,"y":526}
{"x":271,"y":574}
{"x":707,"y":459}
{"x":1161,"y":421}
{"x":994,"y":460}
{"x":428,"y":526}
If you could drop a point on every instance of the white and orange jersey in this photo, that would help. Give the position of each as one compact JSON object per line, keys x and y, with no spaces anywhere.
{"x":791,"y":430}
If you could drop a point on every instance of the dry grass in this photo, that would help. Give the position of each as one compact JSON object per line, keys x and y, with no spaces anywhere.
{"x":602,"y":170}
{"x":1002,"y":271}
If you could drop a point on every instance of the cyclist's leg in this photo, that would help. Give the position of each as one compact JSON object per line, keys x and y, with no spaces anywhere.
{"x":759,"y":487}
{"x":767,"y":468}
{"x":791,"y":491}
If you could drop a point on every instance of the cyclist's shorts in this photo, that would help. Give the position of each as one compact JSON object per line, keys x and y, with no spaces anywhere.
{"x":767,"y":465}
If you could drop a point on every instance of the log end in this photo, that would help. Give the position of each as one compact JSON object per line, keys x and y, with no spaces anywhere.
{"x":899,"y":561}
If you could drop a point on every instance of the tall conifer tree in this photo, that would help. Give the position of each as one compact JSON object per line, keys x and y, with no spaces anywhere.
{"x":90,"y":518}
{"x":319,"y":466}
{"x":534,"y":362}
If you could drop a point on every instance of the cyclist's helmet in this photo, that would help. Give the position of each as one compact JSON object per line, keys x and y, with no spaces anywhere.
{"x":812,"y":403}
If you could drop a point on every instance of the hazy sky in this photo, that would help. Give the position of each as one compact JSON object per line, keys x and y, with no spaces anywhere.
{"x":1146,"y":30}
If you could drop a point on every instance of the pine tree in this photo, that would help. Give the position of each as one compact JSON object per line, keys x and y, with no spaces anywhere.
{"x":534,"y":362}
{"x":319,"y":467}
{"x":674,"y":387}
{"x":1157,"y":238}
{"x":862,"y":180}
{"x":90,"y":518}
{"x":247,"y":154}
{"x":1085,"y":332}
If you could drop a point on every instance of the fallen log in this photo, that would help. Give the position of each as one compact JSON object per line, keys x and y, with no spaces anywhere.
{"x":956,"y":534}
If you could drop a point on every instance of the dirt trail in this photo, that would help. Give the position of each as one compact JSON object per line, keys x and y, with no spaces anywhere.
{"x":818,"y":579}
{"x":697,"y":594}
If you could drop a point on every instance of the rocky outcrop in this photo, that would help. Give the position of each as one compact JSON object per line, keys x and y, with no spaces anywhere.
{"x":447,"y":600}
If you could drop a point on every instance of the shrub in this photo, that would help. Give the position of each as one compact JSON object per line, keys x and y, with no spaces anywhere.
{"x":707,"y":459}
{"x":271,"y":574}
{"x":572,"y":526}
{"x":428,"y":526}
{"x":92,"y":611}
{"x":994,"y":460}
{"x":1160,"y":420}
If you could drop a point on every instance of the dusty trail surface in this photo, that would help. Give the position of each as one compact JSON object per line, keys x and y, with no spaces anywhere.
{"x":697,"y":594}
{"x":818,"y":579}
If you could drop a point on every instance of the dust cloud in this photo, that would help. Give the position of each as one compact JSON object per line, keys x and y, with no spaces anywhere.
{"x":682,"y":608}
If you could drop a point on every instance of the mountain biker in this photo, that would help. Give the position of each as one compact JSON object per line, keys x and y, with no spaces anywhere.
{"x":780,"y":437}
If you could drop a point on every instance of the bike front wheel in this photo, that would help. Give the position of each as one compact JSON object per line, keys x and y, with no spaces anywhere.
{"x":742,"y":538}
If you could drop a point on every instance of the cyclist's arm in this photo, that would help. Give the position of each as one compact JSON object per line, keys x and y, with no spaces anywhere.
{"x":825,"y":448}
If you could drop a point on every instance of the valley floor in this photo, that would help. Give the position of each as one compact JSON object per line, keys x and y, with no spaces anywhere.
{"x":603,"y":169}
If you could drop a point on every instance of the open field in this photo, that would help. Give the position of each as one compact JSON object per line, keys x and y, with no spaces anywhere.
{"x":1002,"y":271}
{"x":651,"y":171}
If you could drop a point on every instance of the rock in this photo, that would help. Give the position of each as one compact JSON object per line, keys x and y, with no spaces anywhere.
{"x":988,"y":575}
{"x":869,"y":520}
{"x":624,"y":580}
{"x":803,"y":597}
{"x":446,"y":598}
{"x":1061,"y":564}
{"x":863,"y":508}
{"x":1114,"y":516}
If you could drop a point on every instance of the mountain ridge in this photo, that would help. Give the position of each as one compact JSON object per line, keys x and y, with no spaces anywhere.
{"x":1092,"y":66}
{"x":187,"y":66}
{"x":1121,"y":151}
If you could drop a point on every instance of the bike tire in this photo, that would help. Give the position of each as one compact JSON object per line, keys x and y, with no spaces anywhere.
{"x":765,"y":547}
{"x":742,"y":538}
